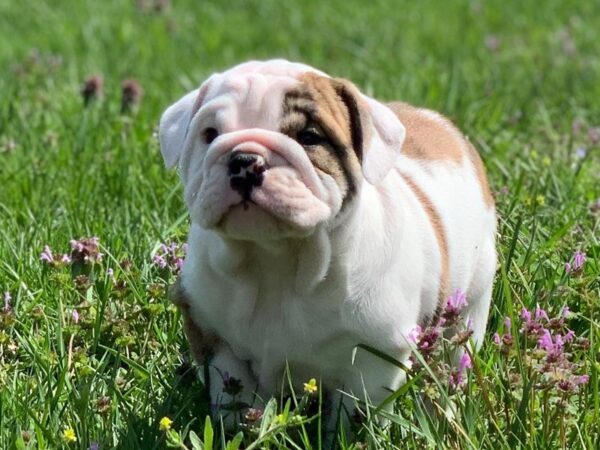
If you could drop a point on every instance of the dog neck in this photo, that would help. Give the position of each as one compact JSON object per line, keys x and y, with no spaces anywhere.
{"x":304,"y":264}
{"x":301,"y":263}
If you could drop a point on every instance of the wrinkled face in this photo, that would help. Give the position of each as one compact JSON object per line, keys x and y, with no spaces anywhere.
{"x":270,"y":152}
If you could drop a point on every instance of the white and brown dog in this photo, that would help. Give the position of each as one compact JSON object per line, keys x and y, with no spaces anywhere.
{"x":321,"y":219}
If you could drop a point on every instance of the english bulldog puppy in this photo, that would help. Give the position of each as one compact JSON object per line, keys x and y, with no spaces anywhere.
{"x":321,"y":219}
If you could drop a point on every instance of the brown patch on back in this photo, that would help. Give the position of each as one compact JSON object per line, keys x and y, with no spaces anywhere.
{"x":440,"y":235}
{"x":202,"y":343}
{"x":427,"y":138}
{"x":330,"y":104}
{"x":430,"y":139}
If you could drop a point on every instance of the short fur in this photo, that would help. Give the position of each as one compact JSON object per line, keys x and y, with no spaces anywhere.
{"x":355,"y":238}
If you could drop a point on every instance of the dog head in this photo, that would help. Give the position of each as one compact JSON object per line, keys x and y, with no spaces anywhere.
{"x":274,"y":149}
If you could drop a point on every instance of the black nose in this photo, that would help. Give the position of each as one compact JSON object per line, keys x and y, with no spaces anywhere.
{"x":238,"y":161}
{"x":246,"y":171}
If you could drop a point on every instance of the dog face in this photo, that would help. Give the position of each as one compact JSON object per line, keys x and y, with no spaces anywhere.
{"x":273,"y":149}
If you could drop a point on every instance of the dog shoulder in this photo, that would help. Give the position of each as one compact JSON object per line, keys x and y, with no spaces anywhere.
{"x":431,"y":137}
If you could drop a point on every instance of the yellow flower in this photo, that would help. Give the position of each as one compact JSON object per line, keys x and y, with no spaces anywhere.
{"x":279,"y":419}
{"x":69,"y":435}
{"x":311,"y":386}
{"x":546,"y":161}
{"x":541,"y":200}
{"x":165,"y":424}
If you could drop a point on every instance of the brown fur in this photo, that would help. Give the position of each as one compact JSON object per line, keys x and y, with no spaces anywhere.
{"x":331,"y":105}
{"x":427,"y":138}
{"x":202,"y":343}
{"x":431,"y":140}
{"x":442,"y":240}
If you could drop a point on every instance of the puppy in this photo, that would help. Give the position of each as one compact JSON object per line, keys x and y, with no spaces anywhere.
{"x":321,"y":219}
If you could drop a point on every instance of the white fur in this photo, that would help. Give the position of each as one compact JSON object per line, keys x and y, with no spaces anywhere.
{"x":307,"y":298}
{"x":385,"y":143}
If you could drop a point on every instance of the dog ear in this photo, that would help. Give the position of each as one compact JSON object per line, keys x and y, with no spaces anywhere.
{"x":385,"y":143}
{"x":175,"y":121}
{"x":173,"y":127}
{"x":377,"y":133}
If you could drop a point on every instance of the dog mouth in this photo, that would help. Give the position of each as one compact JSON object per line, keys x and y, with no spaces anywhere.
{"x":271,"y":199}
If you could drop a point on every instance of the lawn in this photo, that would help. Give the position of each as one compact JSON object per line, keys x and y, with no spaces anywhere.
{"x":92,"y":352}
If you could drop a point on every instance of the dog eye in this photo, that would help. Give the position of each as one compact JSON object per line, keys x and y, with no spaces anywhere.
{"x":309,"y":137}
{"x":210,"y":134}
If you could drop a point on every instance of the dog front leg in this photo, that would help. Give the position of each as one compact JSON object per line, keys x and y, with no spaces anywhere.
{"x":231,"y":385}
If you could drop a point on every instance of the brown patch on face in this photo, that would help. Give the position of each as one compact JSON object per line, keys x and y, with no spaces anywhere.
{"x":428,"y":138}
{"x":329,"y":106}
{"x":202,"y":343}
{"x":475,"y":159}
{"x":441,"y":238}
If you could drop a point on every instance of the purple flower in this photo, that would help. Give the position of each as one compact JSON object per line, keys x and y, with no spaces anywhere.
{"x":569,"y":336}
{"x":86,"y":250}
{"x":525,"y":315}
{"x":578,"y":260}
{"x":454,"y":305}
{"x":7,"y":299}
{"x":92,"y":88}
{"x":566,"y":312}
{"x":131,"y":94}
{"x":47,"y":255}
{"x":465,"y":362}
{"x":553,"y":347}
{"x":170,"y":256}
{"x":231,"y":385}
{"x":545,"y":341}
{"x":582,"y":379}
{"x":415,"y":334}
{"x":568,"y":267}
{"x":492,"y":42}
{"x":253,"y":415}
{"x":75,"y":316}
{"x":458,"y":300}
{"x":507,"y":323}
{"x":76,"y":245}
{"x":65,"y":259}
{"x":541,"y":314}
{"x":496,"y":339}
{"x":159,"y":261}
{"x":457,"y":376}
{"x":580,"y":152}
{"x":94,"y":446}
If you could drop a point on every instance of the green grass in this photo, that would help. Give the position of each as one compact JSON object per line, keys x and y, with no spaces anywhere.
{"x":68,"y":171}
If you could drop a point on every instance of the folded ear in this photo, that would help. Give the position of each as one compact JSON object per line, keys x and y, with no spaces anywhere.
{"x":384,"y":144}
{"x":377,"y":134}
{"x":173,"y":127}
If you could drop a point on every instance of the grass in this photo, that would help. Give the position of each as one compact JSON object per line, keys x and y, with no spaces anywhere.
{"x":522,"y":79}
